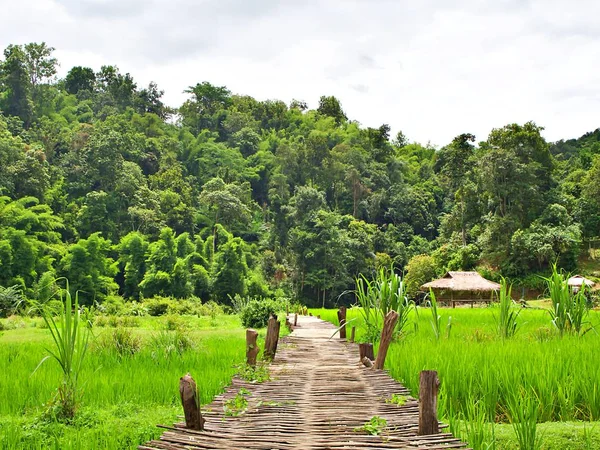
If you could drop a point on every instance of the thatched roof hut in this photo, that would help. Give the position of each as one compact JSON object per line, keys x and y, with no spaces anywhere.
{"x":469,"y":287}
{"x":577,"y":281}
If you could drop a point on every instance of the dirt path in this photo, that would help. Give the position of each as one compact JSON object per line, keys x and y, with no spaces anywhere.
{"x":317,"y":396}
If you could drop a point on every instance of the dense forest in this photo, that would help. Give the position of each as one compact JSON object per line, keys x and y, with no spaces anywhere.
{"x":102,"y":183}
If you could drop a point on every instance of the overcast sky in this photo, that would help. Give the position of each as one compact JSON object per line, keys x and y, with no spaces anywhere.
{"x":431,"y":68}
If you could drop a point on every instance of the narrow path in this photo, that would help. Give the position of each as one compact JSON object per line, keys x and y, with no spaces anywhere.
{"x":318,"y":395}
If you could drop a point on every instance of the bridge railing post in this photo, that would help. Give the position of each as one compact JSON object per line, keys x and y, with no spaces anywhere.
{"x":428,"y":392}
{"x":272,"y":338}
{"x":191,"y":403}
{"x":387,"y":333}
{"x":342,"y":320}
{"x":251,"y":347}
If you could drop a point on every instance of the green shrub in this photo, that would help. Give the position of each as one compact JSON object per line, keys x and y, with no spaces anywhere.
{"x":210,"y":309}
{"x":158,"y":306}
{"x":256,"y":313}
{"x":184,"y":307}
{"x":135,"y":309}
{"x":112,"y":305}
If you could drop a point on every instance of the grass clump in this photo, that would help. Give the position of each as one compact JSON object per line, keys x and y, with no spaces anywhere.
{"x":508,"y":314}
{"x":121,"y":341}
{"x":70,"y":344}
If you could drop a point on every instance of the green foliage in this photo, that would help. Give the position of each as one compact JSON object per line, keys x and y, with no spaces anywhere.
{"x":10,"y":297}
{"x":523,"y":413}
{"x":385,"y":293}
{"x":375,"y":426}
{"x":70,"y":339}
{"x":507,"y":315}
{"x":569,"y":310}
{"x":419,"y":270}
{"x":121,"y":340}
{"x":436,"y":318}
{"x":237,"y":405}
{"x":256,"y":312}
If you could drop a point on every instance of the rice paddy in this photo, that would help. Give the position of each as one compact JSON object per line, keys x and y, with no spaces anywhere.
{"x":483,"y":375}
{"x":124,"y":394}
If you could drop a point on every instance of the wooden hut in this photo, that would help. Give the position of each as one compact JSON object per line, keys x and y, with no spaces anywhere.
{"x":462,"y":287}
{"x":577,"y":281}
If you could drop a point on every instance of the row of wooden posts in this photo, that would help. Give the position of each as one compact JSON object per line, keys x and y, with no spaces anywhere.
{"x":428,"y":379}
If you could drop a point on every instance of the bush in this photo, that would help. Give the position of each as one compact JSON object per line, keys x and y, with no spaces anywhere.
{"x":256,"y":313}
{"x":158,"y":306}
{"x":112,"y":305}
{"x":135,"y":309}
{"x":210,"y":309}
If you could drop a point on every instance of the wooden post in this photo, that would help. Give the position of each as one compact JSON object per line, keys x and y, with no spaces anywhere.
{"x":366,"y":350}
{"x":386,"y":337}
{"x":272,"y":338}
{"x":295,"y":320}
{"x":251,"y":347}
{"x":191,"y":403}
{"x":342,"y":320}
{"x":319,"y":316}
{"x":352,"y":334}
{"x":428,"y":391}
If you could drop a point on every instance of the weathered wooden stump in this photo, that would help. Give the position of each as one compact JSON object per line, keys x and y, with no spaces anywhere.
{"x":272,"y":338}
{"x":366,"y":349}
{"x":251,"y":347}
{"x":295,"y":320}
{"x":428,"y":391}
{"x":386,"y":338}
{"x":352,"y":334}
{"x":342,"y":320}
{"x":190,"y":400}
{"x":319,"y":316}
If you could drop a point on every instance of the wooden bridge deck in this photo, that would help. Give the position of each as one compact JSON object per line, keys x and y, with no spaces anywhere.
{"x":318,"y":394}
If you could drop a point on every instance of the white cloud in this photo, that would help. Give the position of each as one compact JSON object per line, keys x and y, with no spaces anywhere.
{"x":432,"y":68}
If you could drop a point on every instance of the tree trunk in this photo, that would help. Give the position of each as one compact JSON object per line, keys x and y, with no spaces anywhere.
{"x":386,"y":337}
{"x":190,"y":401}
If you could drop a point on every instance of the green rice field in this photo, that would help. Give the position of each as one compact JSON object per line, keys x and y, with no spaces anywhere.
{"x":482,"y":375}
{"x":125,"y":394}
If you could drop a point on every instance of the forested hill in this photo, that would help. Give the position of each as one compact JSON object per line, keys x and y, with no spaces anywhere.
{"x":101,"y":183}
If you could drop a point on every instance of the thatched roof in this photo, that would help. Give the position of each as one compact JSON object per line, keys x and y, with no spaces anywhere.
{"x":577,"y":281}
{"x":462,"y":281}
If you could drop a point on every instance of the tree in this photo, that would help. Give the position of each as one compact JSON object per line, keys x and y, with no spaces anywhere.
{"x":331,"y":107}
{"x":15,"y":78}
{"x":229,"y":271}
{"x":89,"y":269}
{"x":132,"y":258}
{"x":40,"y":63}
{"x":80,"y":79}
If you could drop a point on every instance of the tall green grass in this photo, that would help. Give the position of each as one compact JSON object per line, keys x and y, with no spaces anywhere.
{"x":131,"y":394}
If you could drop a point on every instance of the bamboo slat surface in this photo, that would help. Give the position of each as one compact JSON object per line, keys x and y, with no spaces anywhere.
{"x":318,"y":395}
